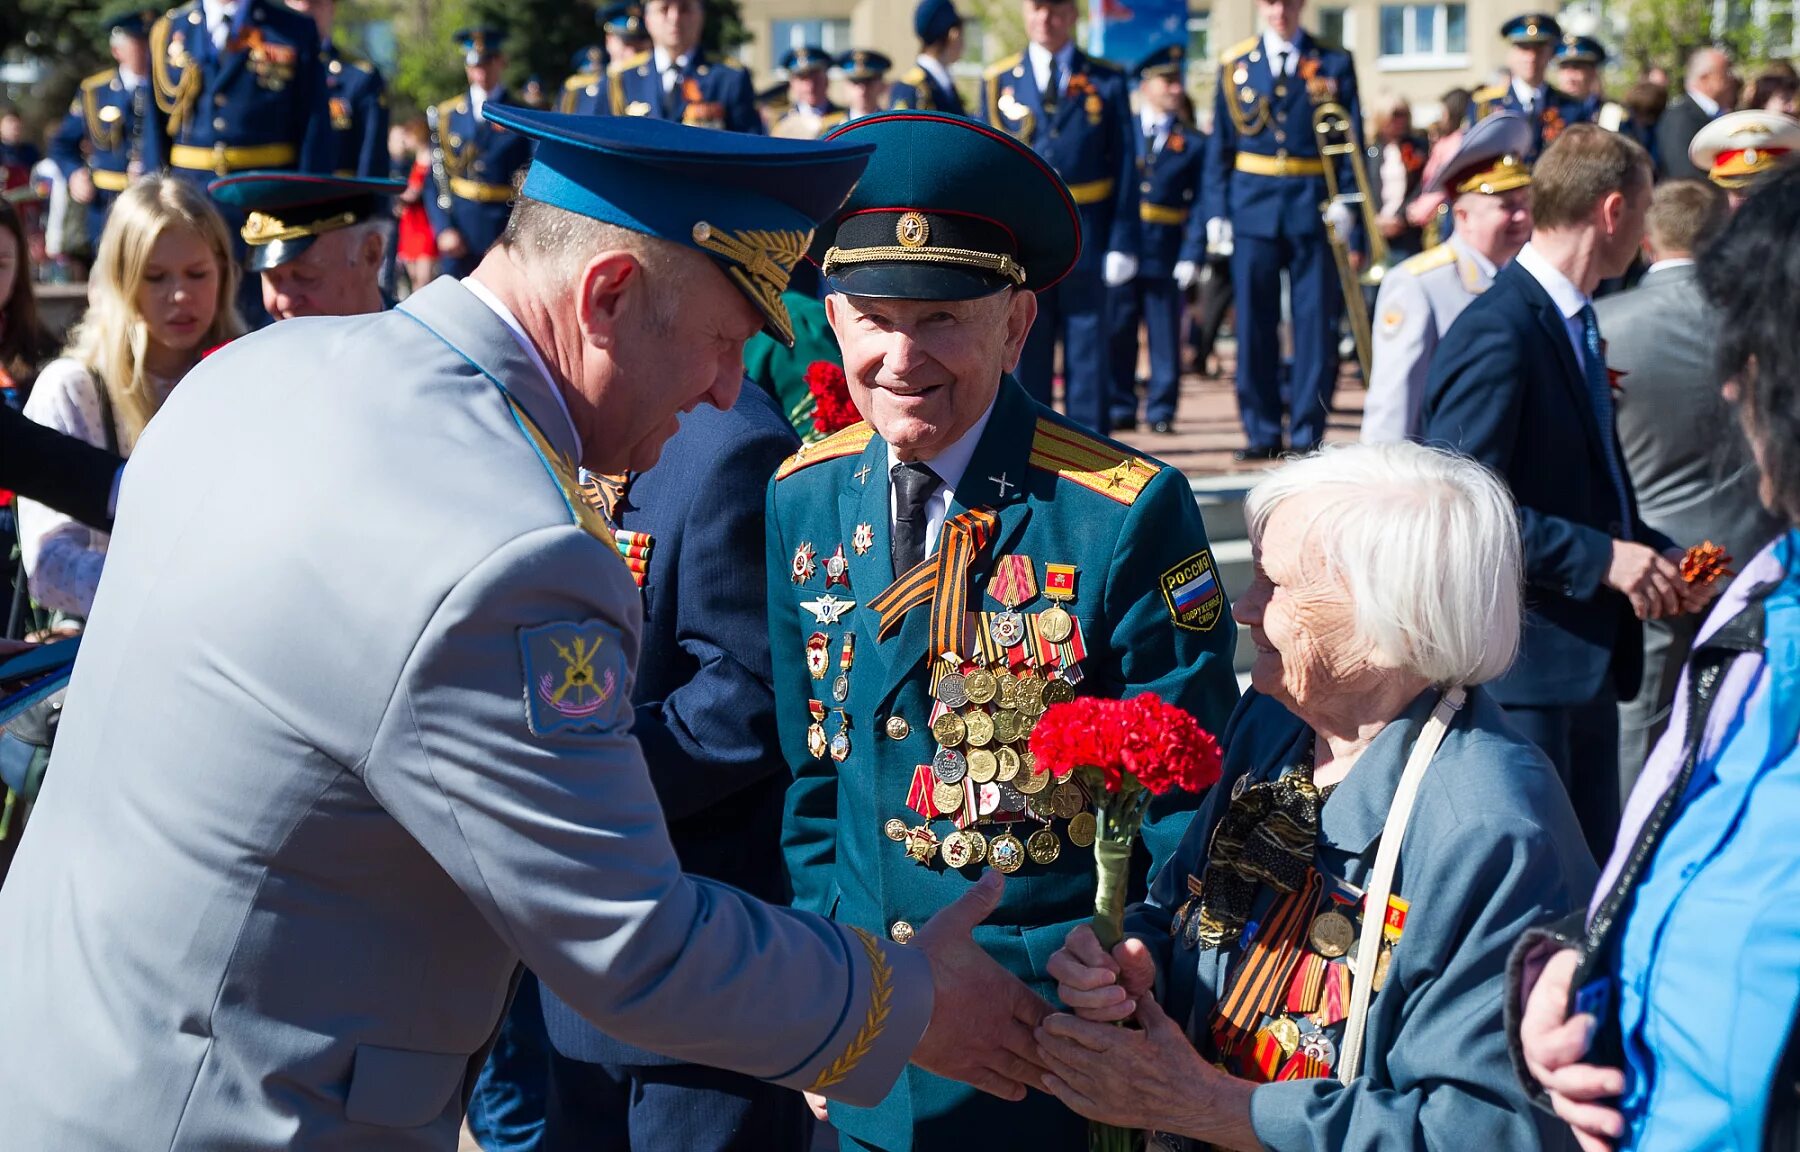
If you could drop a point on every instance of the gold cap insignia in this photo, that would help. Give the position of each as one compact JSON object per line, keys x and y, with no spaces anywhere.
{"x":759,"y":262}
{"x":262,"y":228}
{"x":913,"y":230}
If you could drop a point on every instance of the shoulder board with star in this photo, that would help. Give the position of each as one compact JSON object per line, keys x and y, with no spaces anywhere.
{"x":1102,"y":466}
{"x":1004,"y":64}
{"x":1240,"y":49}
{"x":916,"y":77}
{"x":580,"y":81}
{"x":99,"y":79}
{"x":844,"y":442}
{"x":628,"y":65}
{"x":1489,"y":94}
{"x":454,"y":104}
{"x":1431,"y":258}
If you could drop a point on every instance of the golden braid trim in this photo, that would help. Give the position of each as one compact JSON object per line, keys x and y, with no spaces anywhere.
{"x":881,"y":995}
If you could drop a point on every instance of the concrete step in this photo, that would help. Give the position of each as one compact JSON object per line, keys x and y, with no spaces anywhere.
{"x":1221,"y":501}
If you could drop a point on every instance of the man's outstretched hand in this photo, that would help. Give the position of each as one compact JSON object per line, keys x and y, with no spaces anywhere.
{"x":982,"y":1016}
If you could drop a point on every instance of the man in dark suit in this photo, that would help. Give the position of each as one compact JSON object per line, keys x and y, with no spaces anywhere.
{"x":691,"y":530}
{"x":1688,"y":461}
{"x":1711,"y":88}
{"x":1520,"y":384}
{"x":69,"y":475}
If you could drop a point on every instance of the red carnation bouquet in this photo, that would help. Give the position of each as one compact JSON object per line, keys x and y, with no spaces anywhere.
{"x":832,"y":409}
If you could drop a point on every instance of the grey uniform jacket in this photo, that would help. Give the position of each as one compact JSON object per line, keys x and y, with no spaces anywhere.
{"x":347,"y":742}
{"x":1689,"y":463}
{"x":1419,"y":299}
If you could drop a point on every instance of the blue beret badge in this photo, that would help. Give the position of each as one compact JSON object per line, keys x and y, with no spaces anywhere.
{"x":574,"y":676}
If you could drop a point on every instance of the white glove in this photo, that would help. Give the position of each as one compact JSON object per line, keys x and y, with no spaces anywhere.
{"x":1218,"y":236}
{"x":1119,"y":269}
{"x":1341,"y":218}
{"x":1185,"y":274}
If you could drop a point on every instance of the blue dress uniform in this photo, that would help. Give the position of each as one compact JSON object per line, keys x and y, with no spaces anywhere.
{"x":1551,"y":110}
{"x":711,"y":92}
{"x":112,"y":118}
{"x":802,"y":123}
{"x":480,"y":161}
{"x":933,"y":21}
{"x":357,"y":96}
{"x":1264,"y":174}
{"x":1169,"y":160}
{"x":584,"y":92}
{"x":1085,"y":134}
{"x":1061,"y":563}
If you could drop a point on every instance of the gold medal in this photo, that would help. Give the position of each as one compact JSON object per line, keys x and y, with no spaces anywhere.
{"x":895,"y":829}
{"x":1081,"y":829}
{"x":921,"y":844}
{"x":981,"y":686}
{"x":1032,"y":783}
{"x":1054,"y":624}
{"x":978,"y":847}
{"x":1058,"y":692}
{"x":1009,"y":764}
{"x":1006,"y":853}
{"x":953,"y":690}
{"x":983,"y":766}
{"x":947,"y":798}
{"x":1006,"y":691}
{"x":1043,"y":847}
{"x":816,"y":742}
{"x":949,"y":729}
{"x":979,"y":729}
{"x":1039,"y":806}
{"x":955,"y":850}
{"x":1382,"y":961}
{"x":1067,"y":800}
{"x":1331,"y":934}
{"x":1006,"y":726}
{"x":1030,"y":689}
{"x":1285,"y":1033}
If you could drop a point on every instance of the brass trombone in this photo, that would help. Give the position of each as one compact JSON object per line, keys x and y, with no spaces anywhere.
{"x":1336,"y":137}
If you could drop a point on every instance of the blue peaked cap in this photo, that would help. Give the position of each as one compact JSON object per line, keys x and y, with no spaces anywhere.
{"x":933,"y":19}
{"x":749,"y":202}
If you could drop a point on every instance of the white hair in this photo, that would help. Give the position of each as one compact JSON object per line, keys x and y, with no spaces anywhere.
{"x":1426,"y":542}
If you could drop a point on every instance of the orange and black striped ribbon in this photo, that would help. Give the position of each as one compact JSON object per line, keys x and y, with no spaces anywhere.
{"x":1261,"y":983}
{"x":941,"y":578}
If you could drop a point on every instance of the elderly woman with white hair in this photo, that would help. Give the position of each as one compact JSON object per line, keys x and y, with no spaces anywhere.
{"x":1364,"y":770}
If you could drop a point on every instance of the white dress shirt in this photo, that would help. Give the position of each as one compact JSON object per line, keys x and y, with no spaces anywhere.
{"x":482,"y":293}
{"x":219,"y":14}
{"x":1707,"y":104}
{"x":477,"y":97}
{"x":1040,"y":65}
{"x":1671,"y":262}
{"x":669,"y":67}
{"x":950,"y":464}
{"x":1569,"y":300}
{"x":936,"y":70}
{"x":1281,"y":52}
{"x":1531,"y":99}
{"x":1157,"y":125}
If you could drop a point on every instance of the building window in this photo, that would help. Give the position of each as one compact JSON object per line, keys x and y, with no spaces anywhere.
{"x":1775,"y":20}
{"x":1424,"y":36}
{"x":975,"y":56}
{"x":1199,"y":42}
{"x":1336,"y":27}
{"x":831,"y":35}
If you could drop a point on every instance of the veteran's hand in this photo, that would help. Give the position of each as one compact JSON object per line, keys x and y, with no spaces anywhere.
{"x":1647,"y":578}
{"x":818,"y":1104}
{"x":982,"y":1016}
{"x":450,"y":243}
{"x":1150,"y":1078}
{"x":1554,"y":1043}
{"x":1098,"y":986}
{"x":1694,"y":597}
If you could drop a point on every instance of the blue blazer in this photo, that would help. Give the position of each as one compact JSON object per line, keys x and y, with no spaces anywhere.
{"x":357,"y":97}
{"x":1555,"y":112}
{"x":1256,"y":115}
{"x":1169,"y":189}
{"x":1507,"y":389}
{"x":705,"y":705}
{"x":478,"y":153}
{"x":919,"y":89}
{"x":727,"y":98}
{"x":1088,"y":141}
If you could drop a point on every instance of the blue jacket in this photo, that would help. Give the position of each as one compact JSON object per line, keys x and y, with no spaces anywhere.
{"x":585,"y":94}
{"x":1507,"y":389}
{"x":1553,"y":113}
{"x":1492,"y":847}
{"x":919,"y":89}
{"x":705,"y":710}
{"x":1260,"y":122}
{"x":357,"y":96}
{"x":1169,"y":190}
{"x":264,"y":89}
{"x":1087,"y":141}
{"x":714,"y":92}
{"x":114,"y":122}
{"x":480,"y":159}
{"x":1062,"y":496}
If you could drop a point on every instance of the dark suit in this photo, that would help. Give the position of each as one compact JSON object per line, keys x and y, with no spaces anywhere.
{"x":1692,"y":470}
{"x":1507,"y":388}
{"x":1674,"y":132}
{"x":67,"y":474}
{"x":920,"y":89}
{"x":706,"y":721}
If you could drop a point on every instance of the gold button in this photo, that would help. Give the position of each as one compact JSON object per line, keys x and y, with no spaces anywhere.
{"x":1281,"y":153}
{"x":898,"y":728}
{"x":220,"y":100}
{"x":1280,"y":136}
{"x":902,"y":932}
{"x":220,"y":124}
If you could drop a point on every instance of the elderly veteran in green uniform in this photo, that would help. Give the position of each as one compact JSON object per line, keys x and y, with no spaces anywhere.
{"x":350,"y":736}
{"x":316,"y":241}
{"x":1366,"y":769}
{"x":944,"y":571}
{"x":1490,"y":188}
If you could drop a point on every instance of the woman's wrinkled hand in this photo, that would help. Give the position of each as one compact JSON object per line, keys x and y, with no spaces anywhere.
{"x":1098,"y":986}
{"x":1584,"y":1095}
{"x":1127,"y":1077}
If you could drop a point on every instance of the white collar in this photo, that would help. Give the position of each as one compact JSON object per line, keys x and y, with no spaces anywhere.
{"x":935,"y":69}
{"x":1274,"y":45}
{"x":1671,"y":262}
{"x":1156,"y":121}
{"x":219,"y":11}
{"x":1569,"y":300}
{"x":1707,"y":104}
{"x":479,"y":95}
{"x":1042,"y":56}
{"x":129,"y":78}
{"x":663,"y":60}
{"x":953,"y":461}
{"x":486,"y":295}
{"x":1526,"y":94}
{"x":1467,"y":249}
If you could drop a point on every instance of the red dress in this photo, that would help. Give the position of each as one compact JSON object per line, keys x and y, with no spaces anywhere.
{"x":416,"y":239}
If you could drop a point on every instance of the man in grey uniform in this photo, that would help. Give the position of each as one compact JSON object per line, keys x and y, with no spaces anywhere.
{"x":349,"y":738}
{"x":1489,"y":186}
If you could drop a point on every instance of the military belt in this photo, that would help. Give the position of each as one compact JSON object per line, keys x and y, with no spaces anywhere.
{"x":475,"y":190}
{"x":1279,"y":165}
{"x":1093,"y":192}
{"x":107,"y":180}
{"x":1162,"y":214}
{"x":222,"y":159}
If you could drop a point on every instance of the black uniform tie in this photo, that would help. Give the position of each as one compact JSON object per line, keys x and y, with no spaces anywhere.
{"x":913,"y":488}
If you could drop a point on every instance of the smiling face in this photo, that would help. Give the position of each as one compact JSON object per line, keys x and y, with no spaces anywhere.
{"x":179,"y":293}
{"x":922,"y":372}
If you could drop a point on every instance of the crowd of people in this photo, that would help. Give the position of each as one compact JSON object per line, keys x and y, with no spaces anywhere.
{"x":626,"y":687}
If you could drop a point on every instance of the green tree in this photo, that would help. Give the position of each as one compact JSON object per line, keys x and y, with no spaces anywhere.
{"x":1663,"y":32}
{"x":67,"y":37}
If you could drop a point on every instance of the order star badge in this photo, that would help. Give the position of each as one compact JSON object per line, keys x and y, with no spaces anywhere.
{"x":863,"y":539}
{"x":806,"y":563}
{"x":828,"y":608}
